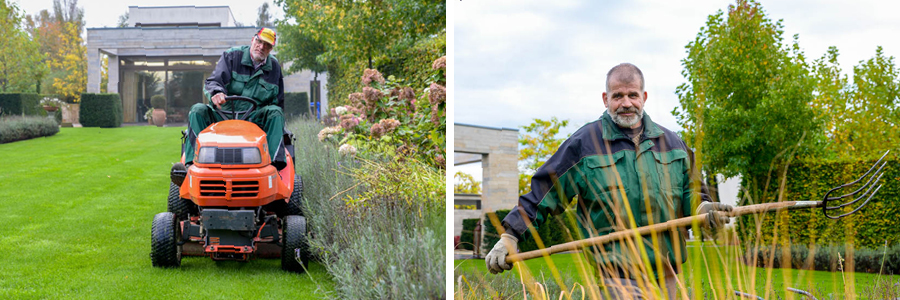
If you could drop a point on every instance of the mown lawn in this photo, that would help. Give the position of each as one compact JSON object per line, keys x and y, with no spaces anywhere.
{"x":75,"y":216}
{"x":823,"y":285}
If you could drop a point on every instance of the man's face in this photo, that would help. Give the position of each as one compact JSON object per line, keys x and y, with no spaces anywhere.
{"x":259,"y":49}
{"x":625,"y":102}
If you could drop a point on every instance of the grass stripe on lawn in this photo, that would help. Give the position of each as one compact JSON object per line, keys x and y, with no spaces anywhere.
{"x":75,"y":216}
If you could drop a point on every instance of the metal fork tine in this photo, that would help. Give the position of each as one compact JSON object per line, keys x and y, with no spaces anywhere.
{"x":861,"y":178}
{"x":868,"y":183}
{"x":872,"y":182}
{"x":863,"y":194}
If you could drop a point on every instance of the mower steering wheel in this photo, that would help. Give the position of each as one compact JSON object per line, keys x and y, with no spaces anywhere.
{"x":234,"y":114}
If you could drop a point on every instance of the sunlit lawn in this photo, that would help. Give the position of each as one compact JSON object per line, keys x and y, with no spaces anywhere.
{"x":76,"y":214}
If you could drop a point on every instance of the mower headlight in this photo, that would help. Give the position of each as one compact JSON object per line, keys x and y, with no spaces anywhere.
{"x":251,"y":155}
{"x":207,"y":155}
{"x":229,"y":156}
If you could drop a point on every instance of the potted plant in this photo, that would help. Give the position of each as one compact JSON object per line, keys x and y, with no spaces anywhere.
{"x":51,"y":105}
{"x":149,"y":116}
{"x":158,"y":102}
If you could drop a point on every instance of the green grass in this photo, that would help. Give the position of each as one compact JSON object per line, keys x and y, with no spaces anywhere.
{"x":75,"y":216}
{"x":824,"y":285}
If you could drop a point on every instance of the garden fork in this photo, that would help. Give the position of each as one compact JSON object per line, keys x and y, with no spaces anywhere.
{"x":829,"y":209}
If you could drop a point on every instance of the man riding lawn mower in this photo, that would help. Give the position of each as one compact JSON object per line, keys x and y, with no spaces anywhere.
{"x":233,"y":202}
{"x":235,"y":194}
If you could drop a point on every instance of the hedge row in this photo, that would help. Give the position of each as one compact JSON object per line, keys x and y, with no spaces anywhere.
{"x":828,"y":258}
{"x":467,"y":236}
{"x":100,"y":110}
{"x":873,"y":226}
{"x":17,"y":128}
{"x":21,"y":105}
{"x":296,"y":104}
{"x":552,"y":232}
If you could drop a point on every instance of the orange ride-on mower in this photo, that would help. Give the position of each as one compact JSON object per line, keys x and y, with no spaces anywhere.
{"x":233,"y":203}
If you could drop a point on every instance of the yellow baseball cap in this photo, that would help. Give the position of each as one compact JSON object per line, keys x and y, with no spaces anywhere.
{"x":266,"y":35}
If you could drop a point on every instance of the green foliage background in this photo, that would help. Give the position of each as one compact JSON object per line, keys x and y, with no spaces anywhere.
{"x":871,"y":227}
{"x":296,"y":104}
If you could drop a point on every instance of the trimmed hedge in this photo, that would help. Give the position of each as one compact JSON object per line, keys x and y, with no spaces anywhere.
{"x":885,"y":260}
{"x":17,"y":128}
{"x":467,"y":236}
{"x":296,"y":104}
{"x":871,"y":227}
{"x":16,"y":104}
{"x":100,"y":110}
{"x":553,"y":232}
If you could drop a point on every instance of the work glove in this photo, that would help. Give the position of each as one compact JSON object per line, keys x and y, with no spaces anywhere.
{"x":496,"y":259}
{"x":716,"y":219}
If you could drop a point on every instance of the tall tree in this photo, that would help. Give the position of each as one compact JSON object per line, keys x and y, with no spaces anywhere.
{"x":537,"y":144}
{"x":20,"y":67}
{"x":875,"y":105}
{"x":465,"y":184}
{"x":832,"y":96}
{"x":748,"y":95}
{"x":123,"y":20}
{"x":362,"y":30}
{"x":73,"y":61}
{"x":59,"y":35}
{"x":265,"y":17}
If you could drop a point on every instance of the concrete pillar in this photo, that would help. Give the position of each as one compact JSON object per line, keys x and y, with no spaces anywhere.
{"x":112,"y":86}
{"x":93,"y":70}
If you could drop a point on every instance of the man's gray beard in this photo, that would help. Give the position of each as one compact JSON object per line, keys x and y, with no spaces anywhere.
{"x":256,"y":60}
{"x":626,"y":122}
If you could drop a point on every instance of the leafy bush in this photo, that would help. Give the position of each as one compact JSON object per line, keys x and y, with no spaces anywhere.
{"x":828,"y":258}
{"x":378,"y":225}
{"x":100,"y":110}
{"x":16,"y":128}
{"x":158,"y":102}
{"x":467,"y":237}
{"x":296,"y":104}
{"x":869,"y":227}
{"x":387,"y":114}
{"x":21,"y":104}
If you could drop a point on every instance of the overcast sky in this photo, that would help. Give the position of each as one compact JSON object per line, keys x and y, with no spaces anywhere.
{"x":105,"y":13}
{"x":521,"y":59}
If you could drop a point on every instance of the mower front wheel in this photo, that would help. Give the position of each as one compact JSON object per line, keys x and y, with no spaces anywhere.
{"x":295,"y":247}
{"x":164,"y":248}
{"x":178,"y":206}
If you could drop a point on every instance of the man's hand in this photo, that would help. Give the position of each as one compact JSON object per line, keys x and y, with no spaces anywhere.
{"x":716,"y":218}
{"x":218,"y":99}
{"x":496,"y":259}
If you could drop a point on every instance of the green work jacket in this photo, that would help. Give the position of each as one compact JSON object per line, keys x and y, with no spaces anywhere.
{"x":617,"y":183}
{"x":235,"y":75}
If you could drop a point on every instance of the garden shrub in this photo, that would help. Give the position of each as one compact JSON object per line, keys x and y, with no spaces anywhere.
{"x":100,"y":110}
{"x":828,"y":258}
{"x":17,"y":128}
{"x":296,"y":104}
{"x":379,"y":224}
{"x":158,"y":102}
{"x":871,"y":227}
{"x":554,"y":231}
{"x":389,"y":115}
{"x":467,"y":236}
{"x":17,"y":104}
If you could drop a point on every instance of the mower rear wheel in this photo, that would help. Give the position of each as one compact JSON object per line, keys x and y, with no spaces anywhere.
{"x":295,"y":247}
{"x":178,"y":206}
{"x":164,"y":248}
